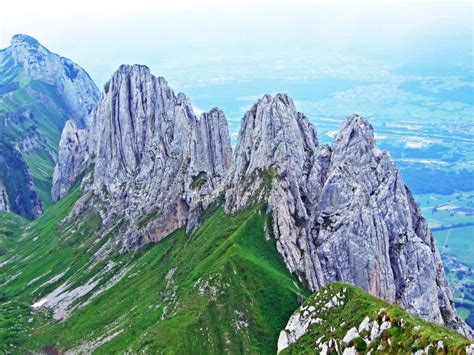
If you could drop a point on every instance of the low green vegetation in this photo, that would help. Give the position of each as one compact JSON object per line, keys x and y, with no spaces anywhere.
{"x":41,"y":250}
{"x":223,"y":288}
{"x":11,"y":226}
{"x":198,"y":180}
{"x":406,"y":334}
{"x":148,"y":217}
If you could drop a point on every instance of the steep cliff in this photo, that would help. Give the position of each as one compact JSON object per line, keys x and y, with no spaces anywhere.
{"x":151,"y":158}
{"x":340,"y":212}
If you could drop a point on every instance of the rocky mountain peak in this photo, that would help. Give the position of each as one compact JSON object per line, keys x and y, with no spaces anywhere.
{"x":213,"y":129}
{"x":72,"y":155}
{"x":46,"y":90}
{"x":149,"y":152}
{"x":25,"y":41}
{"x":31,"y":55}
{"x":72,"y":83}
{"x":273,"y":135}
{"x":137,"y":72}
{"x":355,"y":131}
{"x":356,"y":137}
{"x":339,"y":212}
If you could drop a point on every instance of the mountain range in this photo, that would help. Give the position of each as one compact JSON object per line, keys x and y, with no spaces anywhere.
{"x":164,"y":238}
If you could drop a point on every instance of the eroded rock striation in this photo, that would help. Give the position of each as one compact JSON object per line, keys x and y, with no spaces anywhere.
{"x":152,"y":161}
{"x":340,"y":212}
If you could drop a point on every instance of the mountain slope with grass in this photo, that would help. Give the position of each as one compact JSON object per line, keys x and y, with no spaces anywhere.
{"x":342,"y":318}
{"x":339,"y":211}
{"x":39,"y":92}
{"x":222,"y":288}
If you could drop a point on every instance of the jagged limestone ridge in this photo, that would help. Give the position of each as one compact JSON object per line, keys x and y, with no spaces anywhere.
{"x":340,"y":212}
{"x":148,"y":153}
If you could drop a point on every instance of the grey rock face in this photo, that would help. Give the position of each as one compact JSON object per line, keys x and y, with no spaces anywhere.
{"x":73,"y":84}
{"x":4,"y":202}
{"x":273,"y":135}
{"x":71,"y":159}
{"x":149,"y":155}
{"x":340,"y":212}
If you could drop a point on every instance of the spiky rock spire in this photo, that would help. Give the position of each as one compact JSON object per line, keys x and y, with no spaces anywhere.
{"x":340,"y":212}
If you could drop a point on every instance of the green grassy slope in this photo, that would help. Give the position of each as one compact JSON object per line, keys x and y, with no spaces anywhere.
{"x":11,"y":226}
{"x":37,"y":252}
{"x":406,"y":334}
{"x":16,"y":178}
{"x":221,"y":289}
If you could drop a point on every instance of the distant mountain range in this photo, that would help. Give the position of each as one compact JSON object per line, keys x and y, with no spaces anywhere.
{"x":163,"y":238}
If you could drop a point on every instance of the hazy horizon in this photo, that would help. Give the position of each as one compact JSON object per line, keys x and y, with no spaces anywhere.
{"x":178,"y":38}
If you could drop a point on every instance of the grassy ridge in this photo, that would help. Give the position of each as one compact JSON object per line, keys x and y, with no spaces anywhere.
{"x":407,"y":333}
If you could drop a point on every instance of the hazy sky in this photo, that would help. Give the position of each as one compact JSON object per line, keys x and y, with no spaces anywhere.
{"x":100,"y":35}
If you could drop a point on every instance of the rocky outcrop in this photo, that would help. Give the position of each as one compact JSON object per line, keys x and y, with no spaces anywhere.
{"x":149,"y":155}
{"x":340,"y":212}
{"x":372,"y":232}
{"x":278,"y":157}
{"x":71,"y":159}
{"x":333,"y":321}
{"x":76,"y":89}
{"x":4,"y":202}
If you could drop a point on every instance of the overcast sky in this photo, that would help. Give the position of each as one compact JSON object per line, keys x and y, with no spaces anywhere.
{"x":102,"y":34}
